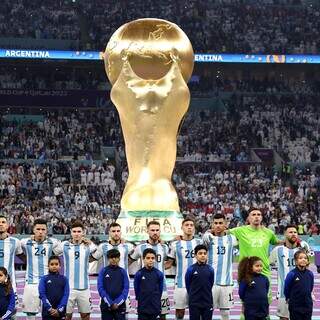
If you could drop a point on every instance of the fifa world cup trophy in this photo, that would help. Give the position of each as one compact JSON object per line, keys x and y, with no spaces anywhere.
{"x":148,"y":62}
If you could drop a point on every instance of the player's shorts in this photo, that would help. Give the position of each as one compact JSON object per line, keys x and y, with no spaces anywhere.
{"x":165,"y":303}
{"x":282,"y":308}
{"x":31,"y":301}
{"x":81,"y":298}
{"x":222,"y":297}
{"x":180,"y":298}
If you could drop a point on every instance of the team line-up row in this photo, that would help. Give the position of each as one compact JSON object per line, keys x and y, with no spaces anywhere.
{"x":203,"y":279}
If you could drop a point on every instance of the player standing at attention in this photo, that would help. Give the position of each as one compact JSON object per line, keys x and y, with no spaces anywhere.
{"x":161,"y":250}
{"x":9,"y":247}
{"x":76,"y":253}
{"x":255,"y":239}
{"x":220,"y":253}
{"x":114,"y":243}
{"x":283,"y":257}
{"x":182,"y":252}
{"x":37,"y":249}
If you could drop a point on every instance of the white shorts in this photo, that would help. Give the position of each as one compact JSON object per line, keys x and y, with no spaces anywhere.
{"x":31,"y":301}
{"x":282,"y":308}
{"x":165,"y":303}
{"x":180,"y":298}
{"x":222,"y":297}
{"x":81,"y":298}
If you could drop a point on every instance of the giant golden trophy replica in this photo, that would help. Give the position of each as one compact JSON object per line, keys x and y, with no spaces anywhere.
{"x":148,"y":62}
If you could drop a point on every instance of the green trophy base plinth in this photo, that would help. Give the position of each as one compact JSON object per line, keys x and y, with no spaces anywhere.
{"x":134,"y":224}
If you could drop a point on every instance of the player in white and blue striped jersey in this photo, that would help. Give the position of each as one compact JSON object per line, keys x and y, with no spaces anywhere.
{"x":283,"y":257}
{"x":9,"y":248}
{"x":38,"y":250}
{"x":114,"y":242}
{"x":220,"y":252}
{"x":182,"y":252}
{"x":161,"y":250}
{"x":76,"y":253}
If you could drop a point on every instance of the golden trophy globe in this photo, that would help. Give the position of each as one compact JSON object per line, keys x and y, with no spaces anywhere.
{"x":148,"y":62}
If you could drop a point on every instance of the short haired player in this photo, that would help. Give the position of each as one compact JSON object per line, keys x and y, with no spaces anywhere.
{"x":220,"y":254}
{"x":161,"y":250}
{"x":182,"y":252}
{"x":283,"y":257}
{"x":76,"y":253}
{"x":38,"y":249}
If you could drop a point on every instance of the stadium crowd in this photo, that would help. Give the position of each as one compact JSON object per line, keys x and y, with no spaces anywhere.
{"x":38,"y":20}
{"x":59,"y":134}
{"x":58,"y":78}
{"x":213,"y":26}
{"x":55,"y":177}
{"x":62,"y":191}
{"x":287,"y":123}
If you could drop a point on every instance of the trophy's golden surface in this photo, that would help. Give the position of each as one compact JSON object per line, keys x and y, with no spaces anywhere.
{"x":149,"y":44}
{"x":148,"y":62}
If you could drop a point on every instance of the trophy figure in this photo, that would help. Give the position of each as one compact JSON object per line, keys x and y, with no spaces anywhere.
{"x":148,"y":62}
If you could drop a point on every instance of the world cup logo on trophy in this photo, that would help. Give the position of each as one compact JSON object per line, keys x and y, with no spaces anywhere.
{"x":148,"y":62}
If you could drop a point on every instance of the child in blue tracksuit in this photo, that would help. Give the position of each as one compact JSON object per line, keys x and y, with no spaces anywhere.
{"x":113,"y":287}
{"x":54,"y":292}
{"x":298,"y":288}
{"x":7,"y":296}
{"x":253,"y":289}
{"x":199,"y":282}
{"x":148,"y":287}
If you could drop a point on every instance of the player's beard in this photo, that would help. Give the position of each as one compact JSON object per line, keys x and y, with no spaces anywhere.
{"x":155,"y":238}
{"x":293,"y":240}
{"x":116,"y":240}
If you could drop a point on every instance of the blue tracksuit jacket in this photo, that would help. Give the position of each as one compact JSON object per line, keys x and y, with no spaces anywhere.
{"x":199,"y":281}
{"x":148,"y":287}
{"x":54,"y":293}
{"x":113,"y":285}
{"x":7,"y":303}
{"x":298,"y":287}
{"x":255,"y":297}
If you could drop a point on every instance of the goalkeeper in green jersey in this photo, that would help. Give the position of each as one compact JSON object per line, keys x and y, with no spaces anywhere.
{"x":254,"y":239}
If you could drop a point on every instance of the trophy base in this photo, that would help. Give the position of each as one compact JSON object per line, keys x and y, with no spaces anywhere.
{"x":134,"y":224}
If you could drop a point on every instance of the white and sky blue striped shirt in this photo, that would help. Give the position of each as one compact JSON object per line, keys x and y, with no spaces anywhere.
{"x":220,"y":254}
{"x":10,"y":247}
{"x":283,"y":258}
{"x":38,"y":254}
{"x":182,"y":251}
{"x":76,"y":263}
{"x":123,"y":248}
{"x":160,"y":249}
